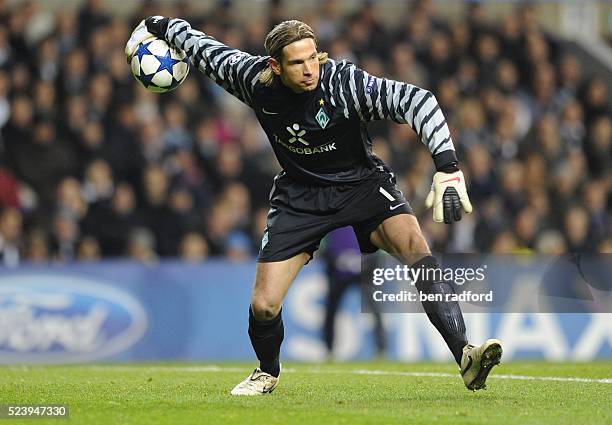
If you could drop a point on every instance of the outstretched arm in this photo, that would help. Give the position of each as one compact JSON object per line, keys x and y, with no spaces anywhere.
{"x":234,"y":70}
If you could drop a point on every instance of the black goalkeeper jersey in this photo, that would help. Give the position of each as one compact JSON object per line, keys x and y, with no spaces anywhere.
{"x":319,"y":137}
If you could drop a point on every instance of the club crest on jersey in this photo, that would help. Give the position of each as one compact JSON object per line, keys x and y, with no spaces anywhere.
{"x":322,"y":118}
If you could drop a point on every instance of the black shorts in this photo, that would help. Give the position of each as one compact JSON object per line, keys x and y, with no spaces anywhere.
{"x":301,"y":215}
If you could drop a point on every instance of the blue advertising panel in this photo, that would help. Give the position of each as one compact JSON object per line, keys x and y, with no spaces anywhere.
{"x":125,"y":311}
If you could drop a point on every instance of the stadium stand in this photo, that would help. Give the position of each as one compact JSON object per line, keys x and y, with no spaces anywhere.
{"x":92,"y":165}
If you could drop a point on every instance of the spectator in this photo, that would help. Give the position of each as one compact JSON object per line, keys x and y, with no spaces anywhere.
{"x":576,"y":227}
{"x":88,"y":249}
{"x":141,"y":246}
{"x":98,"y":185}
{"x":10,"y":237}
{"x":37,"y":247}
{"x":43,"y":160}
{"x":551,"y":242}
{"x":598,"y":146}
{"x":194,"y":248}
{"x":156,"y":213}
{"x":79,"y":137}
{"x":69,"y":199}
{"x":65,"y":237}
{"x":9,"y":189}
{"x":112,"y":223}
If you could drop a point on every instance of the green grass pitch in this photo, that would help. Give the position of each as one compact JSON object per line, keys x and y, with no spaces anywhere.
{"x":340,"y":393}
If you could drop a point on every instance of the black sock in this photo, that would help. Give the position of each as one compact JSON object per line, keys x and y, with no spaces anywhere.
{"x":266,"y":338}
{"x":446,"y":316}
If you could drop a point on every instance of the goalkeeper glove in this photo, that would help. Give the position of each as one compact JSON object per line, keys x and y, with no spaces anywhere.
{"x":150,"y":28}
{"x":139,"y":35}
{"x":447,"y":193}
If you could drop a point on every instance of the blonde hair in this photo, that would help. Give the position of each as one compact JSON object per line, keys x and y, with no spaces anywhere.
{"x":282,"y":35}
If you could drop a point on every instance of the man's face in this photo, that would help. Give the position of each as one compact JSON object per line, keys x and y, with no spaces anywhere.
{"x":299,"y":67}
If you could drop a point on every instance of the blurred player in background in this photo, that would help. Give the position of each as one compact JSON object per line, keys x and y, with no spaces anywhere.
{"x":314,"y":111}
{"x":343,"y":267}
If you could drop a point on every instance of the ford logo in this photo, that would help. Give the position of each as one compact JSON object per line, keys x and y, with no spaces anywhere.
{"x":57,"y":319}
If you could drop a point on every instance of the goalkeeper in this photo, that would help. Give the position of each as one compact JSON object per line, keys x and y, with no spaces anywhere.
{"x":315,"y":111}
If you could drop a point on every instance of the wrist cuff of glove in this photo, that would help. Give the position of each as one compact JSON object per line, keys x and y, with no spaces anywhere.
{"x":446,"y":161}
{"x":163,"y":27}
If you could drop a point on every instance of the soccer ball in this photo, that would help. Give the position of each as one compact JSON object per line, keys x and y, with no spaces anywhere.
{"x":159,"y":67}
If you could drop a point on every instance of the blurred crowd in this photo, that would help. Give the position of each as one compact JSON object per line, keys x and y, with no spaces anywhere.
{"x":92,"y":165}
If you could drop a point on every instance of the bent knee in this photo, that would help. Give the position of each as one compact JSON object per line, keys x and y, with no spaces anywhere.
{"x":264,"y":309}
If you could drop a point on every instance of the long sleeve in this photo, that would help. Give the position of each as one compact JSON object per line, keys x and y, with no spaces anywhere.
{"x":234,"y":70}
{"x":373,"y":98}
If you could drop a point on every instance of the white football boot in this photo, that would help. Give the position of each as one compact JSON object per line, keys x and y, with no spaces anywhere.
{"x":477,"y":362}
{"x":257,"y":383}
